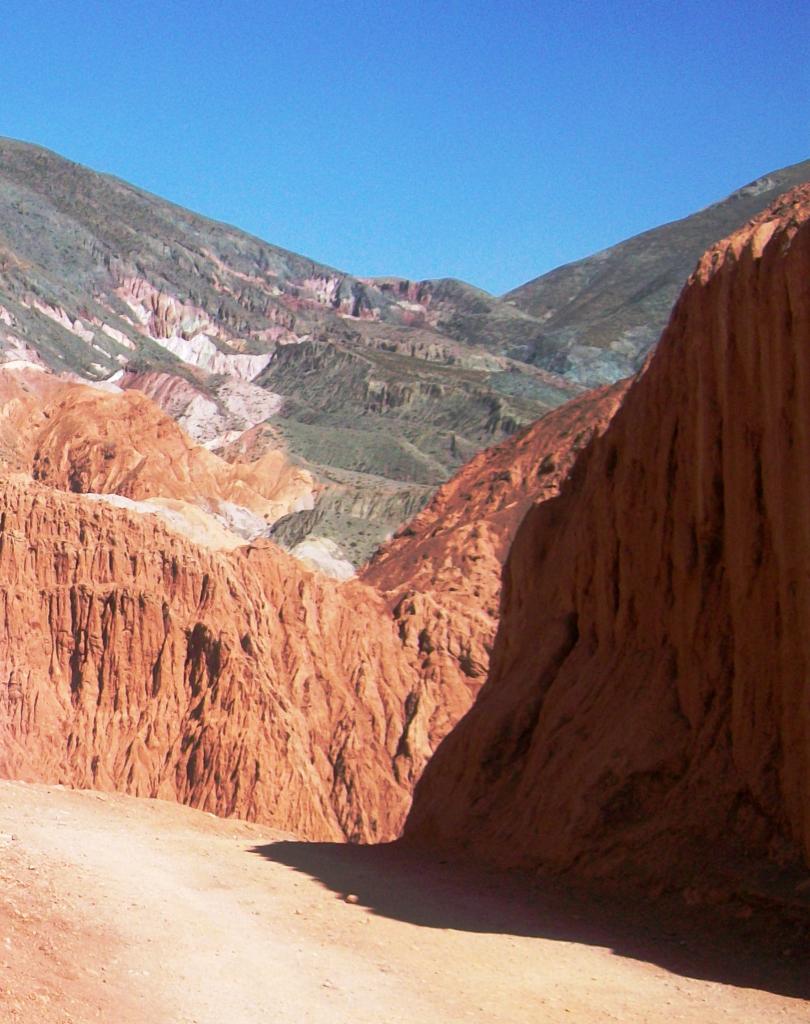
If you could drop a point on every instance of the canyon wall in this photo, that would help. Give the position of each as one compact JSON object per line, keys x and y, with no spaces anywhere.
{"x":143,"y":650}
{"x":236,"y":681}
{"x":648,"y":699}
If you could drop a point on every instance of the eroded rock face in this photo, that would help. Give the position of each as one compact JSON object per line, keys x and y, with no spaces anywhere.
{"x":238,"y":682}
{"x":78,"y":438}
{"x":441,"y":573}
{"x":186,"y":664}
{"x":649,"y":684}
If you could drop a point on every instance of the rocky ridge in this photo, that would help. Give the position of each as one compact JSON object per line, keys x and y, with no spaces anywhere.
{"x":601,"y":315}
{"x":440,"y":574}
{"x":235,"y":681}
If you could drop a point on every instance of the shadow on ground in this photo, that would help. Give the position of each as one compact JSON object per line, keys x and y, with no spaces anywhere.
{"x":709,"y":944}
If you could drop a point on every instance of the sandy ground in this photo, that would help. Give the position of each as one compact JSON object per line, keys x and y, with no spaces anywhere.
{"x":123,"y":910}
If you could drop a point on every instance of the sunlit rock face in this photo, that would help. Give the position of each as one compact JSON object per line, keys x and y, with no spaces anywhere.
{"x":134,"y":659}
{"x":90,"y":440}
{"x":441,"y":573}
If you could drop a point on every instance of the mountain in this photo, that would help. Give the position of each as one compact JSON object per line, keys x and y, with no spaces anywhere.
{"x":104,"y":281}
{"x":645,"y":712}
{"x":379,"y":388}
{"x":646,"y":683}
{"x":601,"y":315}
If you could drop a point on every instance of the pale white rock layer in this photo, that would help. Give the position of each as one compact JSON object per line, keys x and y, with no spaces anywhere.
{"x":323,"y":555}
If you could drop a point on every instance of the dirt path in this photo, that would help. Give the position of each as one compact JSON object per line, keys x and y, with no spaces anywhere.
{"x":121,"y":910}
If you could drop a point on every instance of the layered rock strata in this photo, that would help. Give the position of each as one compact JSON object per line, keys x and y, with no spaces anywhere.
{"x":79,"y":438}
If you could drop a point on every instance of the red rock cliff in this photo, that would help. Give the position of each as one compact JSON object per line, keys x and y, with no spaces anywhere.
{"x":132,"y":659}
{"x":441,"y":573}
{"x":650,"y":684}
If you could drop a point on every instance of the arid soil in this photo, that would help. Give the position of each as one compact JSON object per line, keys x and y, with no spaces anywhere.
{"x":126,"y":910}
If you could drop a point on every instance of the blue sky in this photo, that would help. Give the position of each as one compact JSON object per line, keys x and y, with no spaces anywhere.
{"x":486,"y":141}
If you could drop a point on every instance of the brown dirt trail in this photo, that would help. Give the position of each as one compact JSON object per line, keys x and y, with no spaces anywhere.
{"x":126,"y":910}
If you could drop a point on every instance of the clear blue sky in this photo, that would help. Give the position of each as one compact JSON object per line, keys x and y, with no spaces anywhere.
{"x":488,"y":141}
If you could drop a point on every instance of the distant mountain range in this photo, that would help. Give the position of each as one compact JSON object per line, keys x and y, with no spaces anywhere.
{"x":230,"y":334}
{"x":601,"y":315}
{"x":380,"y":387}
